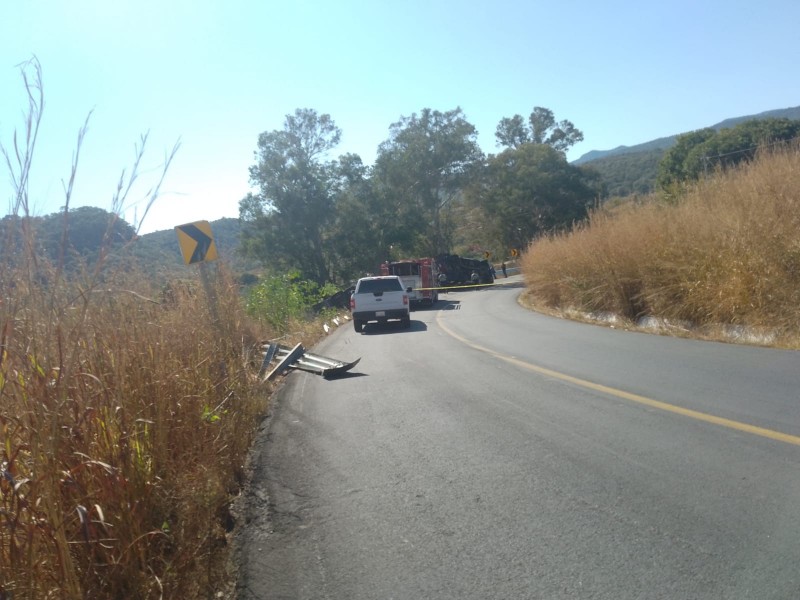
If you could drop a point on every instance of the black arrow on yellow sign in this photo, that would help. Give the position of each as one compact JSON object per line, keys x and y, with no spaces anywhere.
{"x":196,"y":242}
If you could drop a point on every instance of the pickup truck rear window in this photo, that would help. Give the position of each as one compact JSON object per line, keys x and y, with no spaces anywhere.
{"x":370,"y":286}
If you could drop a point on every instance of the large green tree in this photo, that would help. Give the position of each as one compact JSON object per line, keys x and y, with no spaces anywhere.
{"x":286,"y":220}
{"x":365,"y":225}
{"x":526,"y":191}
{"x":540,"y":128}
{"x":420,"y":170}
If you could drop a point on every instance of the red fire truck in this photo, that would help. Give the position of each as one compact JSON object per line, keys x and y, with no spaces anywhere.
{"x":419,"y":274}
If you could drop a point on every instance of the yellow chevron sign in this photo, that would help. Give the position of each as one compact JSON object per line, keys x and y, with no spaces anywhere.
{"x":196,"y":242}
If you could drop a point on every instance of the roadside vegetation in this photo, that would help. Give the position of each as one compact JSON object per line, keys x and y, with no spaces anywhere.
{"x":127,"y":407}
{"x":285,"y":302}
{"x":724,"y":252}
{"x":125,"y":422}
{"x":127,"y":411}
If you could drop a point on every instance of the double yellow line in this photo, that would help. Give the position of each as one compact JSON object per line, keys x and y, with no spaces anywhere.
{"x":643,"y":400}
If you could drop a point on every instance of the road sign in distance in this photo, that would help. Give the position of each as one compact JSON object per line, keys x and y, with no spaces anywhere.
{"x":196,"y":242}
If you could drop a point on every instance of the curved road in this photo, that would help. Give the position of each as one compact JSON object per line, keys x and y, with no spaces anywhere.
{"x":492,"y":452}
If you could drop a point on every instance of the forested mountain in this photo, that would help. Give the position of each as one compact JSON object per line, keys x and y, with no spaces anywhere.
{"x":159,"y":254}
{"x":161,"y":247}
{"x":627,"y":174}
{"x":627,"y":170}
{"x":667,"y":142}
{"x":87,"y":231}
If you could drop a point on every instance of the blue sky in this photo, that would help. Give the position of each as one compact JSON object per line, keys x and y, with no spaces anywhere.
{"x":215,"y":74}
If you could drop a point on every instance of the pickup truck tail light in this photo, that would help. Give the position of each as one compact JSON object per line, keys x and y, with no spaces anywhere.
{"x":405,"y":299}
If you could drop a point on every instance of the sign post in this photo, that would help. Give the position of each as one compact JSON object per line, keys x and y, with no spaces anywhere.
{"x":197,"y":246}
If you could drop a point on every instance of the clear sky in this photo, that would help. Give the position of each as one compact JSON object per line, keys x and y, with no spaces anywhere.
{"x":215,"y":74}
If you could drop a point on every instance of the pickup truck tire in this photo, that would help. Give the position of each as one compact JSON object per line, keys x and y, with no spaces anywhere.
{"x":358,"y":325}
{"x":406,"y":322}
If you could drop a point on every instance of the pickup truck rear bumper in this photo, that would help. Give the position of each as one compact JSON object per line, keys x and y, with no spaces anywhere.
{"x":373,"y":315}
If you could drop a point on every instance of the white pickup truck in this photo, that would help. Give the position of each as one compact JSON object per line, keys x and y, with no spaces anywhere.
{"x":380,"y":299}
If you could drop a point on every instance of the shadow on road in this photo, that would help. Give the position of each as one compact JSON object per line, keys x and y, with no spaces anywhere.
{"x":348,"y":375}
{"x":500,"y":283}
{"x":393,"y":327}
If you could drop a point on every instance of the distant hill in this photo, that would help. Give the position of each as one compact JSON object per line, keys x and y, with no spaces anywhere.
{"x":89,"y":229}
{"x":159,"y":250}
{"x":658,"y":144}
{"x":667,"y":142}
{"x":627,"y":170}
{"x":628,"y":174}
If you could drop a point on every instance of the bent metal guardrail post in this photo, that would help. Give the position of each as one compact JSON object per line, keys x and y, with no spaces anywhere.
{"x":298,"y":358}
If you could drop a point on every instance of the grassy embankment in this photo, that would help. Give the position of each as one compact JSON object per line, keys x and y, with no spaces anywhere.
{"x":126,"y":415}
{"x":728,"y":253}
{"x":124,"y":422}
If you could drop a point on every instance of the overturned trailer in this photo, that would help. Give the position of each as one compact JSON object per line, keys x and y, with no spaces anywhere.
{"x":458,"y":270}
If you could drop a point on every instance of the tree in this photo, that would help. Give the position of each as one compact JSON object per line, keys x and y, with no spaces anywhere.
{"x":512,"y":132}
{"x":421,"y":168}
{"x":541,"y":128}
{"x":526,"y":191}
{"x":286,"y":220}
{"x":365,"y":224}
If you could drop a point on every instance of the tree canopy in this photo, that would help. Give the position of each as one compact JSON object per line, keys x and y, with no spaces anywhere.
{"x":365,"y":223}
{"x":526,"y":191}
{"x":541,"y":128}
{"x":294,"y":204}
{"x":334,"y":220}
{"x":423,"y":165}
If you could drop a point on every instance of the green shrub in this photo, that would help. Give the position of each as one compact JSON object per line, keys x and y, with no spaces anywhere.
{"x":281,"y":299}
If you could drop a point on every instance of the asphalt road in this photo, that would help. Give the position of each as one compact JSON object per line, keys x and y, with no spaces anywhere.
{"x":492,"y":452}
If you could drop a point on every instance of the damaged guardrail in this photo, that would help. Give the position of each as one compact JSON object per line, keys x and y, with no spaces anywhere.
{"x":298,"y":358}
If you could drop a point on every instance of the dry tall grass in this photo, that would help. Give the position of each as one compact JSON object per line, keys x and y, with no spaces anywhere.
{"x":728,"y":253}
{"x":125,"y":424}
{"x":126,"y":413}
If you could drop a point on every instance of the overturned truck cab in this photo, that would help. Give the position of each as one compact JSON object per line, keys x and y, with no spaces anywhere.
{"x":458,"y":269}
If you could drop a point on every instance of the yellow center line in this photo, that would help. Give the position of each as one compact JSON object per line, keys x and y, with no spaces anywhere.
{"x":444,"y":288}
{"x":644,"y":400}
